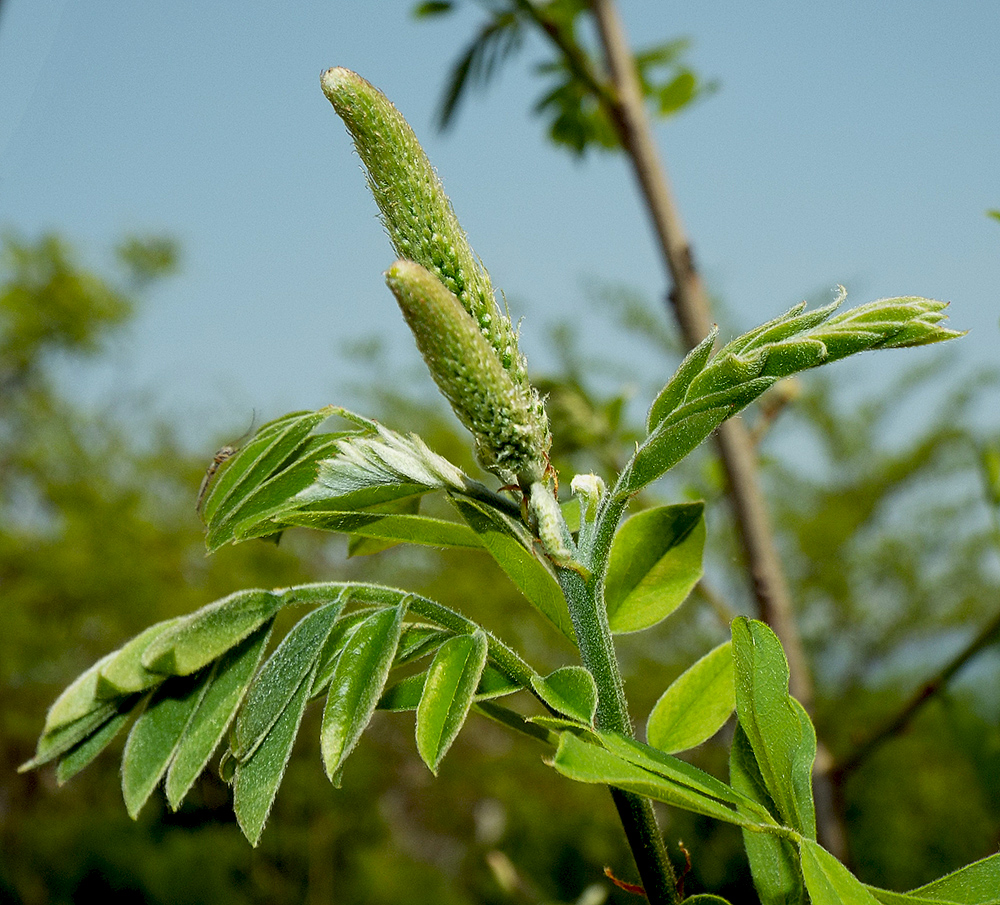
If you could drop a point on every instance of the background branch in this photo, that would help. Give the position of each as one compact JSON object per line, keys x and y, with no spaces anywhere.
{"x":925,"y":693}
{"x":689,"y":301}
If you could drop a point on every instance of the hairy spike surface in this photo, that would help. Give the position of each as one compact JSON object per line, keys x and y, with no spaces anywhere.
{"x":508,"y":421}
{"x":417,"y":213}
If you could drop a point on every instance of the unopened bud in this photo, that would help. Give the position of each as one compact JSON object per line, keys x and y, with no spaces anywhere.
{"x":589,"y":488}
{"x":508,"y":421}
{"x":549,"y":525}
{"x":417,"y":213}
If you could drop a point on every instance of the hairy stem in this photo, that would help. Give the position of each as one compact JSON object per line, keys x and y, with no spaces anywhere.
{"x":590,"y":622}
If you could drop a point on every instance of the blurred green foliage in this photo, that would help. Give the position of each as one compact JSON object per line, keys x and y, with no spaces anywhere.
{"x":577,"y":99}
{"x":98,"y":538}
{"x":890,"y":536}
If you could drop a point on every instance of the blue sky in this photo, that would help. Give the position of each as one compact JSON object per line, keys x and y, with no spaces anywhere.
{"x":853,"y":143}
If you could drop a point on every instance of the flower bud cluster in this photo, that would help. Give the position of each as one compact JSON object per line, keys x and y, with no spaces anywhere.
{"x":511,"y":440}
{"x":475,"y":361}
{"x":417,"y":213}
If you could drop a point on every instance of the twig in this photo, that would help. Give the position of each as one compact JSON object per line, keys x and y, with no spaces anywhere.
{"x":926,"y":692}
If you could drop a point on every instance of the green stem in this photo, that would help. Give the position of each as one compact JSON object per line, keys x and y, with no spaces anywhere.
{"x":515,"y":721}
{"x":597,"y":651}
{"x":585,"y":598}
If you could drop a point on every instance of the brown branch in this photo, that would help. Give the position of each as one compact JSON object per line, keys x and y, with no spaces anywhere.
{"x":691,"y":309}
{"x":736,"y":448}
{"x":925,"y":693}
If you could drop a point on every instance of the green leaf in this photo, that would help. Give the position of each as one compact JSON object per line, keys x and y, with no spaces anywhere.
{"x":695,"y":705}
{"x":214,"y":714}
{"x":123,"y":673}
{"x":281,"y":676}
{"x":259,"y":512}
{"x":974,"y":884}
{"x":672,"y":395}
{"x":794,"y":321}
{"x":791,"y":357}
{"x":338,"y":639}
{"x":667,"y":445}
{"x":887,"y":897}
{"x":511,"y":546}
{"x":828,"y":881}
{"x":66,"y":736}
{"x":418,"y":641}
{"x":560,"y":723}
{"x":257,"y":461}
{"x":448,"y":693}
{"x":726,"y":373}
{"x":774,"y":862}
{"x":79,"y":757}
{"x":257,"y":779}
{"x":735,"y":397}
{"x":655,"y":562}
{"x":78,"y":700}
{"x":357,"y":684}
{"x":586,"y":762}
{"x":156,"y":735}
{"x":432,"y":8}
{"x":405,"y":694}
{"x":409,"y":529}
{"x":359,"y":545}
{"x":779,"y":731}
{"x":569,"y":690}
{"x":208,"y":633}
{"x":681,"y":773}
{"x":495,"y":684}
{"x":803,"y":761}
{"x":361,"y":498}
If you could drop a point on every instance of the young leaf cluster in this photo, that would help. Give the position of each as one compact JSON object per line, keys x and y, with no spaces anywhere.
{"x":708,"y":388}
{"x":578,"y":103}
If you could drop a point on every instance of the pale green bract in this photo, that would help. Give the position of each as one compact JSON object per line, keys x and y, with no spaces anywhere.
{"x":381,"y":458}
